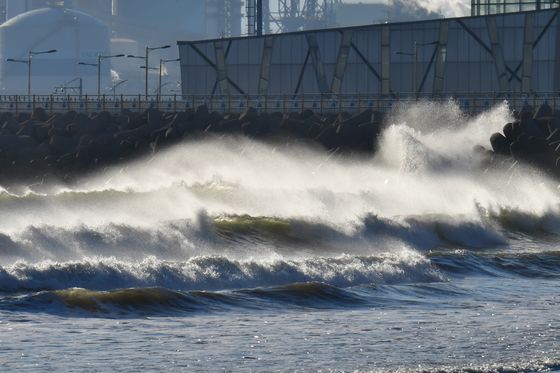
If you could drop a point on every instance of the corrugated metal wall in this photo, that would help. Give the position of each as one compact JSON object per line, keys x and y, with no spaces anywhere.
{"x":500,"y":53}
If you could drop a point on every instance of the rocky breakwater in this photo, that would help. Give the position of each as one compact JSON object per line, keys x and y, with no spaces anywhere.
{"x":533,"y":138}
{"x":36,"y":146}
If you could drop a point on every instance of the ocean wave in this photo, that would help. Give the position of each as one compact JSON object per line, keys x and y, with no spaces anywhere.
{"x":542,"y":364}
{"x":531,"y":223}
{"x":262,"y":237}
{"x":217,"y":272}
{"x":544,"y":264}
{"x":162,"y":301}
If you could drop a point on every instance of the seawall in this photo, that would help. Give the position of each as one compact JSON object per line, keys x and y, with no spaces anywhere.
{"x":38,"y":146}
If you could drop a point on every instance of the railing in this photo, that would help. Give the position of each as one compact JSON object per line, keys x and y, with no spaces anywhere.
{"x":320,"y":103}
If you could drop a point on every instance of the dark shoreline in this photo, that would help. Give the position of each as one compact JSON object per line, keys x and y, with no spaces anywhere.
{"x":36,"y":147}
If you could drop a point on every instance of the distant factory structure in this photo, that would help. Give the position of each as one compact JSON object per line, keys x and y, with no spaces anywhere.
{"x":127,"y":28}
{"x":488,"y":7}
{"x":505,"y":53}
{"x":50,"y":43}
{"x":82,"y":30}
{"x":197,"y":19}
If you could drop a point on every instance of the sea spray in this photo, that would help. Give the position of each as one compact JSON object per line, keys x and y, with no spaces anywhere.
{"x":242,"y":199}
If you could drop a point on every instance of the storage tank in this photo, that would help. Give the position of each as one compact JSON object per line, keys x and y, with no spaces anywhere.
{"x":76,"y":36}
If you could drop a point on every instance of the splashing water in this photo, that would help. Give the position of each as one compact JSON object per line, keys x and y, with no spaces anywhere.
{"x":424,"y":229}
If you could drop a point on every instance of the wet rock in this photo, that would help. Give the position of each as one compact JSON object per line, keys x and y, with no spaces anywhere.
{"x":59,"y":145}
{"x":154,"y":119}
{"x":553,"y":136}
{"x":500,"y":144}
{"x":69,"y":143}
{"x":11,"y":126}
{"x":23,"y":117}
{"x":357,"y":119}
{"x":249,"y":114}
{"x":543,"y":112}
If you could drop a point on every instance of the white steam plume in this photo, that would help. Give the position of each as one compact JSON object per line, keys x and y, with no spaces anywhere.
{"x":447,"y":8}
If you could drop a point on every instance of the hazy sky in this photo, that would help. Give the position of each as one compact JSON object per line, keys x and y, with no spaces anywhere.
{"x":449,"y":8}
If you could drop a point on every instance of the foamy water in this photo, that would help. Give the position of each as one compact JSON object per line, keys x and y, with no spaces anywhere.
{"x":211,"y":236}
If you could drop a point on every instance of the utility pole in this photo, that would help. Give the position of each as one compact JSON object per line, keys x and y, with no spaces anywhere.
{"x":148,"y":50}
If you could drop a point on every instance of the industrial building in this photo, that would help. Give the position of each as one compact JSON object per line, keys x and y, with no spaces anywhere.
{"x":485,"y":7}
{"x":129,"y":26}
{"x":73,"y":37}
{"x":496,"y":54}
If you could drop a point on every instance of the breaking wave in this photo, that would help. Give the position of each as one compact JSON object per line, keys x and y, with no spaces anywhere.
{"x":216,"y":273}
{"x":231,"y":214}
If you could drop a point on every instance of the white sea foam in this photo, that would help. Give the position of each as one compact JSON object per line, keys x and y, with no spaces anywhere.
{"x":425,"y":168}
{"x":217,"y":272}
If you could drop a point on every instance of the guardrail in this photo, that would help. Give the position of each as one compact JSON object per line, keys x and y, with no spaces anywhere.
{"x":326,"y":103}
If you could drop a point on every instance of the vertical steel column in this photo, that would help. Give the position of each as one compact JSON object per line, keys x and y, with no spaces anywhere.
{"x":441,"y":57}
{"x":556,"y":86}
{"x":259,"y":17}
{"x":341,"y":61}
{"x":497,"y":53}
{"x":385,"y":60}
{"x":251,"y":5}
{"x":266,"y":59}
{"x":528,"y":40}
{"x":221,"y":67}
{"x":317,"y":62}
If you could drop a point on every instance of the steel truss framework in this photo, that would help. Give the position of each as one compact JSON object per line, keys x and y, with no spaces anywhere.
{"x":500,"y":53}
{"x":484,"y":7}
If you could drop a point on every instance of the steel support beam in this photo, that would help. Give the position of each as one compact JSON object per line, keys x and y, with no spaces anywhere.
{"x":341,"y":61}
{"x":528,"y":40}
{"x":441,"y":57}
{"x":221,"y":67}
{"x":386,"y":60}
{"x":317,"y":63}
{"x":264,"y":76}
{"x":213,"y":65}
{"x":497,"y":53}
{"x":302,"y":72}
{"x":487,"y":49}
{"x":556,"y":85}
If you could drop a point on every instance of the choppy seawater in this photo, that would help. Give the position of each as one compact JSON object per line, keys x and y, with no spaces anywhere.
{"x":231,"y":254}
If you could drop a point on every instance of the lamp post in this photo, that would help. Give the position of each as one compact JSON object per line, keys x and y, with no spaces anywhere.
{"x":66,"y":86}
{"x":146,"y":62}
{"x":115,"y":87}
{"x":98,"y":65}
{"x":161,"y":63}
{"x":30,"y":55}
{"x":414,"y":54}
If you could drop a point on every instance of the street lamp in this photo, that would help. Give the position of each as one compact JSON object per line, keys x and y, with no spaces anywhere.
{"x":98,"y":65}
{"x":148,"y":50}
{"x":414,"y":54}
{"x":161,"y":63}
{"x":30,"y":55}
{"x":116,"y":85}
